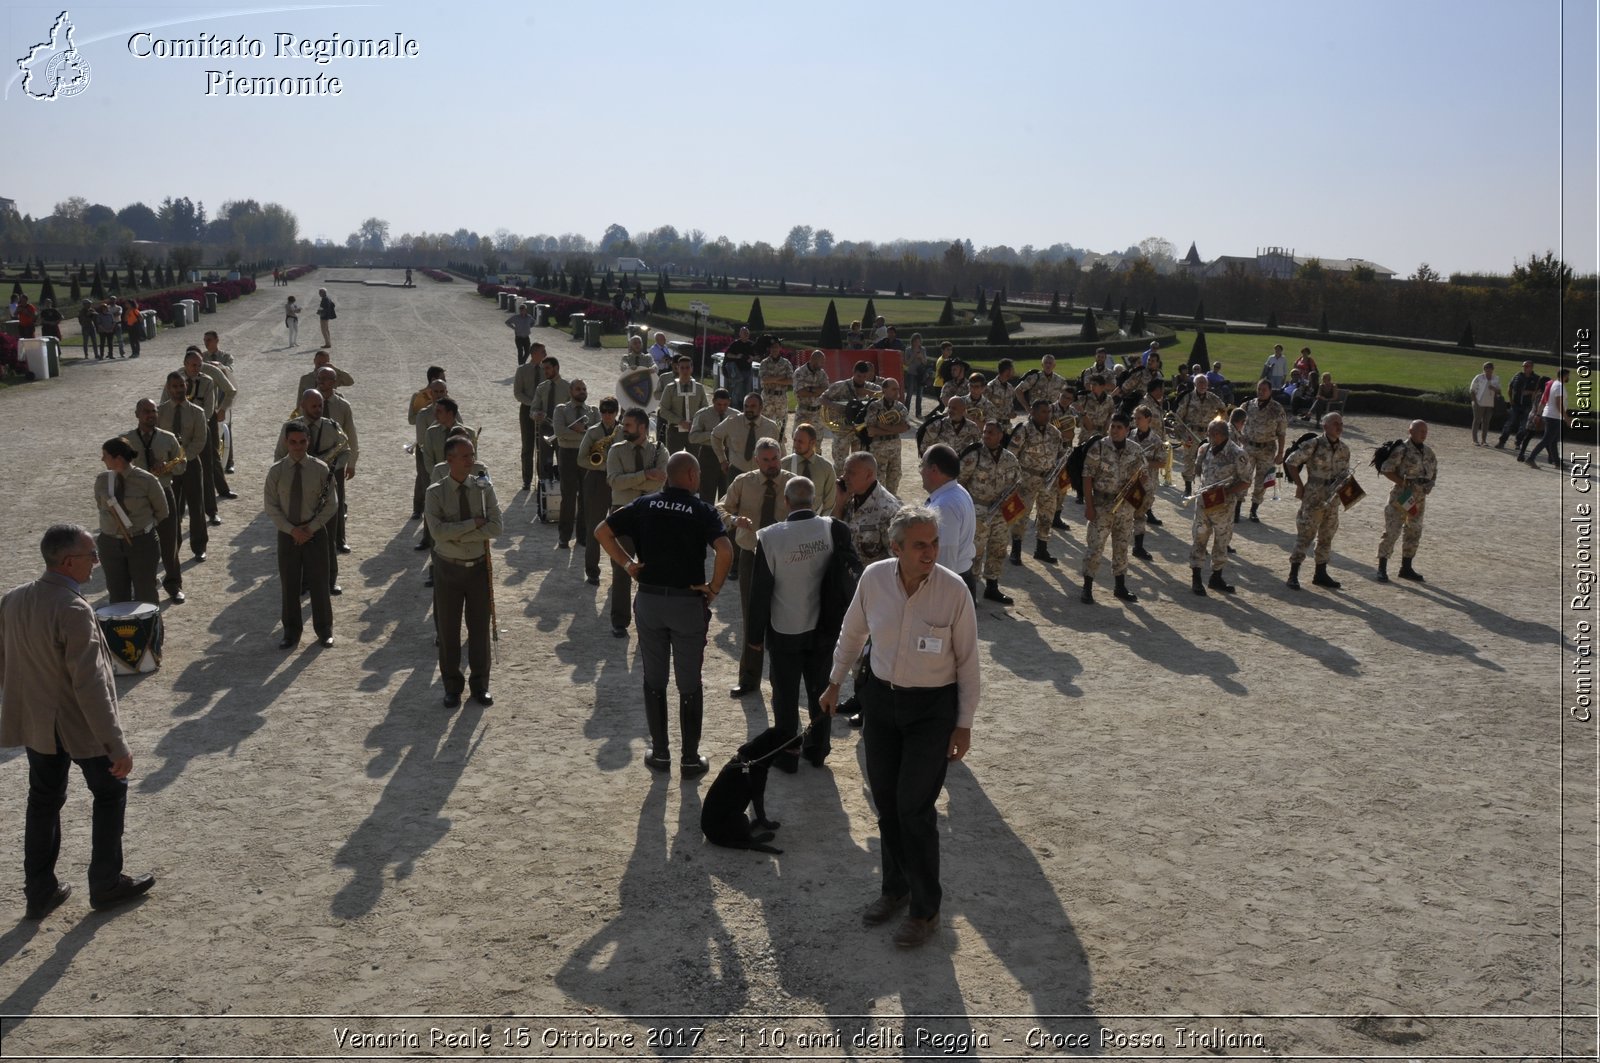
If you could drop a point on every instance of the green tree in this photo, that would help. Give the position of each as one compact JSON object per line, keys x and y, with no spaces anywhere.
{"x":899,"y":290}
{"x":1090,"y":331}
{"x":1323,"y":327}
{"x":1541,"y":274}
{"x":1138,"y":322}
{"x":983,"y":307}
{"x":756,"y":320}
{"x":947,"y":316}
{"x":1055,"y":302}
{"x":658,"y":305}
{"x":832,"y":338}
{"x":1426,"y":274}
{"x":869,"y":315}
{"x":1310,"y":270}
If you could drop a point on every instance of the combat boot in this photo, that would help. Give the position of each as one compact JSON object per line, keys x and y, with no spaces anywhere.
{"x":655,"y":717}
{"x":1041,"y":552}
{"x":1237,"y":505}
{"x":1383,"y":570}
{"x":993,"y":593}
{"x":1138,"y":549}
{"x":1016,"y":551}
{"x":1188,"y":487}
{"x":1121,"y":590}
{"x":1322,"y":579}
{"x":1087,"y":597}
{"x":1255,"y":509}
{"x":1057,"y":523}
{"x":1217,"y":582}
{"x":1195,"y":584}
{"x":1293,"y":582}
{"x":1407,"y":572}
{"x":1153,"y":520}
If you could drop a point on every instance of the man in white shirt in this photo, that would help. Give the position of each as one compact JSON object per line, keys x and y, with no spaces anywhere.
{"x":958,"y":520}
{"x":1553,"y":410}
{"x":1276,"y":368}
{"x":1485,"y":390}
{"x":920,"y":694}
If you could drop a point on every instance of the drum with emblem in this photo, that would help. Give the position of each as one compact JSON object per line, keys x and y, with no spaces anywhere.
{"x":548,"y":500}
{"x":133,"y":631}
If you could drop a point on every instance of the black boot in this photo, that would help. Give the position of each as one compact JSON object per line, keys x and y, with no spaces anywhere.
{"x":1237,"y":505}
{"x":1016,"y":551}
{"x":1188,"y":487}
{"x":1138,"y":549}
{"x":1407,"y":572}
{"x":1195,"y":584}
{"x":1218,"y":583}
{"x":1322,"y":579}
{"x":1293,"y":582}
{"x":1057,"y":523}
{"x":1041,"y":552}
{"x":1121,"y":590}
{"x":992,"y":592}
{"x":1255,"y":507}
{"x":1087,"y":597}
{"x":1383,"y":570}
{"x":655,"y":717}
{"x":691,"y":714}
{"x":1153,"y":520}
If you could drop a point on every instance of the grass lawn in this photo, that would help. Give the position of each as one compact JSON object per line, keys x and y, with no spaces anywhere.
{"x":807,"y":311}
{"x":1351,"y":364}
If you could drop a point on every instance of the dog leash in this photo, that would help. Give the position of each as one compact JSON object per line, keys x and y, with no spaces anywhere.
{"x":746,"y":765}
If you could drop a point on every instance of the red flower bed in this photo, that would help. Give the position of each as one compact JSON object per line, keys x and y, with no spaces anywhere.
{"x":227,"y":291}
{"x":436,"y":274}
{"x":562,"y":307}
{"x":8,"y":354}
{"x":294,"y":271}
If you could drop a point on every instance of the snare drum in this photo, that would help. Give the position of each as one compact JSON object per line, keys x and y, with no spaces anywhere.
{"x":133,"y":631}
{"x":549,"y":499}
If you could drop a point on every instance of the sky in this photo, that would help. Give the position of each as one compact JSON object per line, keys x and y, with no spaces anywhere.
{"x":1462,"y":134}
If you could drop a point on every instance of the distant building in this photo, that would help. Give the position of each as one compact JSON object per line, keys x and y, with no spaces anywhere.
{"x":1282,"y":263}
{"x":630,"y":265}
{"x":1192,"y":261}
{"x":7,"y":206}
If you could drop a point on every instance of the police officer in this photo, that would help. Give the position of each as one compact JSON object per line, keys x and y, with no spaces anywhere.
{"x":671,"y":529}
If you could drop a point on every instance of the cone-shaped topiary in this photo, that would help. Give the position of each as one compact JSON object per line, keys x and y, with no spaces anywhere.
{"x":947,"y":316}
{"x":1138,"y":322}
{"x":1122,"y":315}
{"x":1198,"y":354}
{"x":1323,"y":327}
{"x":659,"y":304}
{"x":983,"y":304}
{"x":869,"y":316}
{"x":832,"y":339}
{"x":1055,"y":301}
{"x":1272,"y":319}
{"x":756,"y":321}
{"x":783,"y":286}
{"x":77,"y":291}
{"x":1200,"y":310}
{"x":1466,"y":339}
{"x":997,"y":326}
{"x":899,"y":290}
{"x":1090,"y":331}
{"x":48,"y":291}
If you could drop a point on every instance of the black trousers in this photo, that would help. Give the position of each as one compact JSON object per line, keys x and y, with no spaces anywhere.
{"x":596,"y":504}
{"x":41,"y":846}
{"x":710,"y":473}
{"x":189,"y":493}
{"x":749,"y":660}
{"x":571,"y":496}
{"x":460,"y":588}
{"x":907,"y":736}
{"x":530,"y":440}
{"x":1516,"y":417}
{"x":621,"y":587}
{"x":420,"y":486}
{"x":308,"y":566}
{"x":169,"y":534}
{"x":524,"y":348}
{"x":795,"y":658}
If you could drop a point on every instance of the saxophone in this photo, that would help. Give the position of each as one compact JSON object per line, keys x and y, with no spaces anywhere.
{"x":595,"y":456}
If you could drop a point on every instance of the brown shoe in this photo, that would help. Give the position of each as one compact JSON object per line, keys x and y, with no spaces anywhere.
{"x":914,"y":931}
{"x":883,"y":909}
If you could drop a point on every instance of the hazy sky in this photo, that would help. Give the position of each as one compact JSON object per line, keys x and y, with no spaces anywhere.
{"x":1401,"y":131}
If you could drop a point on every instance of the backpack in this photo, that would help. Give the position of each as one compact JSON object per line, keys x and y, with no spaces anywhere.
{"x":1381,"y":454}
{"x":1077,"y":459}
{"x":922,"y":429}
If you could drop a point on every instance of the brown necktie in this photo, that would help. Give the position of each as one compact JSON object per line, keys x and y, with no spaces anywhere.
{"x":119,"y":488}
{"x":194,"y":383}
{"x":463,"y":505}
{"x":297,"y":495}
{"x":550,"y":399}
{"x":769,"y":503}
{"x":638,"y":459}
{"x":749,"y":439}
{"x":177,"y":421}
{"x":805,"y":468}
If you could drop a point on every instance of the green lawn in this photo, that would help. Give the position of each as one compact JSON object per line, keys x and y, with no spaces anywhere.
{"x":1351,"y":364}
{"x":807,"y":311}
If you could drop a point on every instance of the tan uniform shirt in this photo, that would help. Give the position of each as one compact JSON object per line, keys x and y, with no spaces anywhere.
{"x":703,"y":428}
{"x":161,"y":450}
{"x":456,"y":535}
{"x":738,"y":435}
{"x":315,"y":490}
{"x":820,"y":471}
{"x":142,"y":499}
{"x":626,"y":465}
{"x":337,"y":409}
{"x":745,"y":497}
{"x":573,"y":420}
{"x":191,"y":432}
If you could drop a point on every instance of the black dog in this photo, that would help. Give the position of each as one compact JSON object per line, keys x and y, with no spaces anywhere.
{"x":741,"y":783}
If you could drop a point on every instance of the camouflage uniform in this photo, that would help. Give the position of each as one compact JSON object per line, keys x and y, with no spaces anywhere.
{"x":1065,"y":421}
{"x":1155,"y":448}
{"x":1325,"y":464}
{"x":886,"y":449}
{"x":1215,"y":467}
{"x":868,"y":520}
{"x":1050,"y":388}
{"x":1094,"y":415}
{"x":1038,"y":452}
{"x":1000,"y":402}
{"x":1266,"y":430}
{"x":842,"y":392}
{"x":1418,"y":468}
{"x":1196,"y":411}
{"x":957,"y":435}
{"x":989,"y":477}
{"x":1111,"y":469}
{"x":776,"y":374}
{"x":809,"y":411}
{"x":951,"y":389}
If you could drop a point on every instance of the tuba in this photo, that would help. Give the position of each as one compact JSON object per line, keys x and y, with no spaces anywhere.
{"x":595,"y":456}
{"x":890,"y":417}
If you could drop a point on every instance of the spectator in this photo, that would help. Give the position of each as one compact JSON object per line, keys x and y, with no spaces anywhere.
{"x":1326,"y":393}
{"x":1276,"y":367}
{"x":105,"y":323}
{"x":1552,"y":410}
{"x":27,"y":316}
{"x":889,"y":341}
{"x":853,"y":340}
{"x":50,"y":319}
{"x":916,"y":371}
{"x":880,"y":330}
{"x":1525,"y":388}
{"x":1219,"y":383}
{"x":1306,"y":364}
{"x":1485,"y":394}
{"x":91,"y":333}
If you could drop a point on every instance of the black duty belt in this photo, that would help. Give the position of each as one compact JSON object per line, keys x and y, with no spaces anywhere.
{"x":668,"y":592}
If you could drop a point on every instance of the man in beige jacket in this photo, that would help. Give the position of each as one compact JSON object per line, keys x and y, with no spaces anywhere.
{"x":60,"y":701}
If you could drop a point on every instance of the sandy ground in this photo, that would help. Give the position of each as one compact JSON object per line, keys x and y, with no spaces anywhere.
{"x":1272,"y":814}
